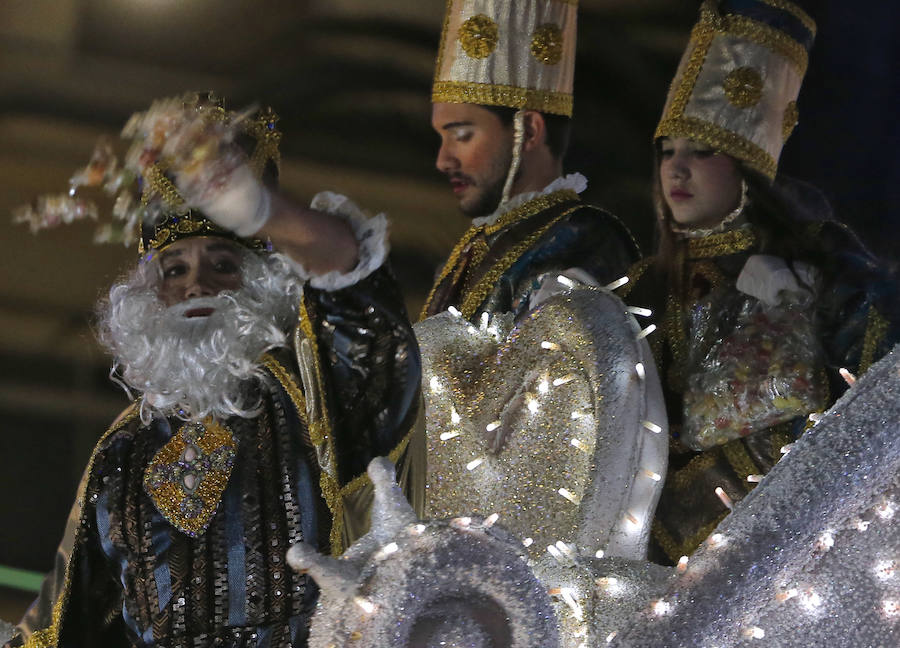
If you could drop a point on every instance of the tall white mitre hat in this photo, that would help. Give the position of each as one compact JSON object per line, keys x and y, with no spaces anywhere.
{"x":737,"y":84}
{"x":513,"y":53}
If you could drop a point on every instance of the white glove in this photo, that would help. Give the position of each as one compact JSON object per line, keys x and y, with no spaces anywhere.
{"x":243,"y":205}
{"x":769,"y":279}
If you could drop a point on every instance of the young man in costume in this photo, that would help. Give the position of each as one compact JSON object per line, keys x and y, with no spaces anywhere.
{"x":272,"y":360}
{"x":502,"y":101}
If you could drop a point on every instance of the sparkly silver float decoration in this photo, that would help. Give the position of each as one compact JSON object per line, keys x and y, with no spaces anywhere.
{"x":557,"y":424}
{"x":812,"y":556}
{"x":462,"y":582}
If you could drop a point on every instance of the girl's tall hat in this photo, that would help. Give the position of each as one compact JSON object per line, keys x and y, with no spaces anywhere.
{"x":737,"y":84}
{"x":513,"y":53}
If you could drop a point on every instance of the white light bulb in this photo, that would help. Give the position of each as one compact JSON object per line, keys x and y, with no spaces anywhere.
{"x":723,"y":497}
{"x":565,"y":281}
{"x":618,"y":283}
{"x":717,"y":540}
{"x":569,"y":495}
{"x":365,"y":604}
{"x":885,"y":511}
{"x":825,"y":541}
{"x":662,"y":607}
{"x":810,"y":600}
{"x":848,"y":377}
{"x":472,"y":465}
{"x":637,"y":310}
{"x":387,"y":550}
{"x":581,"y":445}
{"x":754,"y":632}
{"x":885,"y":569}
{"x":646,"y":331}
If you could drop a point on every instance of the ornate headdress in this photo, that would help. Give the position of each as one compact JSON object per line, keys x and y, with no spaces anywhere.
{"x":737,"y":84}
{"x":149,"y":209}
{"x":513,"y":53}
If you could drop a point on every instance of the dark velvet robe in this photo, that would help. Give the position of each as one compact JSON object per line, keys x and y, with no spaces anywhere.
{"x":128,"y":575}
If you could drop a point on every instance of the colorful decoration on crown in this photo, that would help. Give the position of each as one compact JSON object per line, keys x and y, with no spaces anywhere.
{"x":181,"y":149}
{"x":513,"y":53}
{"x":737,"y":84}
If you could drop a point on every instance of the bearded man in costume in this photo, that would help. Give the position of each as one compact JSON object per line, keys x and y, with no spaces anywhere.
{"x":502,"y":101}
{"x":271,"y":358}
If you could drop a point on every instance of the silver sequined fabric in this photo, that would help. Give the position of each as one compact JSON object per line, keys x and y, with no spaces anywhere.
{"x":810,"y":558}
{"x":552,"y":424}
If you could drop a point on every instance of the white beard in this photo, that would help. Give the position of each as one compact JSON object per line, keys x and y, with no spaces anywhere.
{"x":193,"y":367}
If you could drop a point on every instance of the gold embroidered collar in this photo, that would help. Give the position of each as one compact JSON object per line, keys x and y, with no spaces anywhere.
{"x":730,"y":242}
{"x":523,"y":212}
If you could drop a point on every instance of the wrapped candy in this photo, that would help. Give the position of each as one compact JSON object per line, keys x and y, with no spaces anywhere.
{"x":764,"y":372}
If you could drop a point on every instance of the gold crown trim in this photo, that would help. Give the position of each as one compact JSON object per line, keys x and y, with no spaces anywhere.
{"x":719,"y":138}
{"x":770,"y":37}
{"x":155,"y":182}
{"x":487,"y":94}
{"x":795,"y":11}
{"x":701,"y":37}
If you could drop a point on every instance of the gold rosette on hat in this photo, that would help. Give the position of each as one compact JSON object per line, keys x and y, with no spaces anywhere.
{"x":513,"y":53}
{"x":737,"y":84}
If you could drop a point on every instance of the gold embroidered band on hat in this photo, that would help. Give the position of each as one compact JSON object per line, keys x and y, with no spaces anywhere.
{"x":514,"y":53}
{"x":737,"y":84}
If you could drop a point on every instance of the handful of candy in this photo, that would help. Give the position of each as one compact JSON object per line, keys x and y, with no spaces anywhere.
{"x":188,"y":139}
{"x":763,"y":373}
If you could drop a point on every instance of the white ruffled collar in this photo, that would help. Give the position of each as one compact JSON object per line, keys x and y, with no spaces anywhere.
{"x":574,"y":181}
